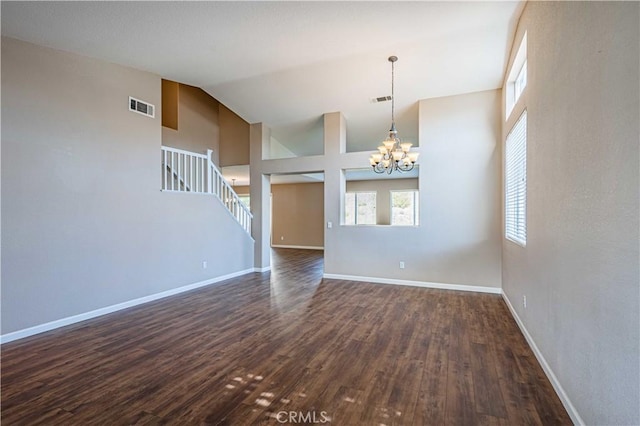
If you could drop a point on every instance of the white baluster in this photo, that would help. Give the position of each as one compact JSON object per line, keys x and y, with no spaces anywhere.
{"x":172,"y":171}
{"x":164,"y":169}
{"x":191,"y":163}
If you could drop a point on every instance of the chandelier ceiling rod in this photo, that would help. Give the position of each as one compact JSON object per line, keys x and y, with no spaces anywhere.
{"x":393,"y":60}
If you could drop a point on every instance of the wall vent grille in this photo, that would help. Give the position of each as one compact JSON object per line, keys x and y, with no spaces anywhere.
{"x":142,"y":107}
{"x":381,"y":99}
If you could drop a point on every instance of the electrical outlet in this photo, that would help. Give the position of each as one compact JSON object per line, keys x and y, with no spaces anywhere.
{"x":281,"y":238}
{"x":401,"y":265}
{"x":204,"y":264}
{"x":524,"y":301}
{"x":329,"y":225}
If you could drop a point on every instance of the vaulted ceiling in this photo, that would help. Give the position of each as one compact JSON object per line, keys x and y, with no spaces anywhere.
{"x":287,"y":63}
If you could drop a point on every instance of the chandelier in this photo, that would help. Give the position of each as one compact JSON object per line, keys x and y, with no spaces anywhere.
{"x":393,"y":154}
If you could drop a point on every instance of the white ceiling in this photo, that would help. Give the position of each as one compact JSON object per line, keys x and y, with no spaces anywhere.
{"x":287,"y":63}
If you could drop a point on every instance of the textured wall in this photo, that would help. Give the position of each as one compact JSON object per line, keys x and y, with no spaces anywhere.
{"x":84,"y":223}
{"x":580,"y":267}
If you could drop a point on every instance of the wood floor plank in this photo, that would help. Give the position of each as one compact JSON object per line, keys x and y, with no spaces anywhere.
{"x":242,"y":351}
{"x":486,"y":383}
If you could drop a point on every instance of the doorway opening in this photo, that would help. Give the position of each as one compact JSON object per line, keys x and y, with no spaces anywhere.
{"x":297,"y":214}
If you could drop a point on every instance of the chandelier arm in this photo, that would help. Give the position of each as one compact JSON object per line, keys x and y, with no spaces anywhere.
{"x":408,"y":168}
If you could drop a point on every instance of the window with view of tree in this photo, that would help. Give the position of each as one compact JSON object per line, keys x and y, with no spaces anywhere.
{"x":360,"y":208}
{"x":405,"y":208}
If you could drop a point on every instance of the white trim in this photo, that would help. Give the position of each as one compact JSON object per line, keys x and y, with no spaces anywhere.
{"x":20,"y":334}
{"x":182,"y":151}
{"x":299,"y":247}
{"x":571,"y":410}
{"x":442,"y":286}
{"x":265,"y":269}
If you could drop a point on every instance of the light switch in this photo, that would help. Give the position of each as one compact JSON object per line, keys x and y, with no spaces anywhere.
{"x":329,"y":225}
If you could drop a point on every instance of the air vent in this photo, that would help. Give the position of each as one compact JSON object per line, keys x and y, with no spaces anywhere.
{"x":381,"y":99}
{"x":141,"y":107}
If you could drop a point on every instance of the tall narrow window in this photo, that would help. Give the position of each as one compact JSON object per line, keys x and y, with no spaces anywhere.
{"x":516,"y":78}
{"x":516,"y":182}
{"x":360,"y":208}
{"x":404,"y":208}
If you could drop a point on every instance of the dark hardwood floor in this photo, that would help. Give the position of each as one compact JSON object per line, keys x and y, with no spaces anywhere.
{"x":284,"y":346}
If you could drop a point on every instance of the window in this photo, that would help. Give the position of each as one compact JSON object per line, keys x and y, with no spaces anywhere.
{"x":520,"y":83}
{"x":360,"y":208}
{"x":517,"y":77}
{"x":516,"y":182}
{"x":404,"y":208}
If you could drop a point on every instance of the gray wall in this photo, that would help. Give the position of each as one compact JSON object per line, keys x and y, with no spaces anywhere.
{"x":458,"y":240}
{"x":580,"y":267}
{"x":84,"y":223}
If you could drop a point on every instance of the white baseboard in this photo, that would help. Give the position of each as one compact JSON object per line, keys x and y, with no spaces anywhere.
{"x":20,"y":334}
{"x":571,"y":410}
{"x":298,"y":247}
{"x":265,"y":269}
{"x":460,"y":287}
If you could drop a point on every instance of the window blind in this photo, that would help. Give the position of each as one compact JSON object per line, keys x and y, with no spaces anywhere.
{"x":516,"y":182}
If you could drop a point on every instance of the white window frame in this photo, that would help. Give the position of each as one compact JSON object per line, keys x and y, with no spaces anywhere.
{"x":515,"y":204}
{"x":355,"y":207}
{"x":416,"y":206}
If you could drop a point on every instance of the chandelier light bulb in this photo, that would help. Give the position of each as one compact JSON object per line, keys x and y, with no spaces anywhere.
{"x":388,"y":144}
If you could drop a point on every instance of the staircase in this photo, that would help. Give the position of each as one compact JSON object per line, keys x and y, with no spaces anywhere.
{"x":184,"y":171}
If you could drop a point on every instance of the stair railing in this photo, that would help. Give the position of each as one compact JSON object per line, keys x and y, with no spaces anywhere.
{"x":184,"y":171}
